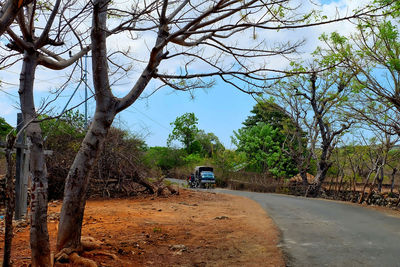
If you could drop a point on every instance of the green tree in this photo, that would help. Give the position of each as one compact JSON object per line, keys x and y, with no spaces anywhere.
{"x":185,"y":131}
{"x":70,"y":123}
{"x":5,"y":128}
{"x":209,"y":142}
{"x":268,"y":112}
{"x":372,"y":55}
{"x":165,"y":158}
{"x":272,"y":114}
{"x":262,"y":146}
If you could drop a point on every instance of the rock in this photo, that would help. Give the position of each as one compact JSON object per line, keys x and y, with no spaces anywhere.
{"x":54,"y":216}
{"x":178,"y":247}
{"x":187,"y":204}
{"x":221,"y":218}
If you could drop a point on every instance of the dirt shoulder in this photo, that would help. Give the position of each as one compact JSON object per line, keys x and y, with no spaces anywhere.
{"x":191,"y":229}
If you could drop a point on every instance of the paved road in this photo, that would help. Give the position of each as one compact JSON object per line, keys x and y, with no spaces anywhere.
{"x":326,"y":233}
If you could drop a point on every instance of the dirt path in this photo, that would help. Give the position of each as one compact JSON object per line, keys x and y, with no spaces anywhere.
{"x":192,"y":229}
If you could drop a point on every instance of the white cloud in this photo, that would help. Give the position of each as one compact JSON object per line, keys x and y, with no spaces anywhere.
{"x":6,"y":109}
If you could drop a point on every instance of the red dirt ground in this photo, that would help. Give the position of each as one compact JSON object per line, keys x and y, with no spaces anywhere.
{"x":190,"y":229}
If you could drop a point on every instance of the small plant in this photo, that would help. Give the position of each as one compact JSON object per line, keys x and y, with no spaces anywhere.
{"x":156,"y":230}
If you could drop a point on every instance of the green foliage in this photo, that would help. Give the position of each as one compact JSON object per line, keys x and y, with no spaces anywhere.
{"x":389,"y":37}
{"x":71,"y":124}
{"x":185,"y":131}
{"x":392,"y":7}
{"x":262,"y":146}
{"x":194,"y":140}
{"x":193,"y":159}
{"x":229,"y":160}
{"x":209,"y":143}
{"x":264,"y":139}
{"x":267,"y":112}
{"x":5,"y":128}
{"x":65,"y":134}
{"x":165,"y":158}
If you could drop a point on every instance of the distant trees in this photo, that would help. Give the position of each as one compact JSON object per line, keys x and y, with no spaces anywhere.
{"x":316,"y":104}
{"x":5,"y":128}
{"x":326,"y":99}
{"x":165,"y":158}
{"x":209,"y":143}
{"x":185,"y":131}
{"x":371,"y":56}
{"x":262,"y":140}
{"x":195,"y":141}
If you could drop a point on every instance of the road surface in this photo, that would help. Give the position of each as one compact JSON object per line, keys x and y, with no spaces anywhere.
{"x":326,"y":233}
{"x":318,"y":232}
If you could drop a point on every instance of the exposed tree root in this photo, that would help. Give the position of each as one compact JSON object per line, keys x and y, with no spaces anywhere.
{"x":77,"y":260}
{"x":111,"y":255}
{"x":71,"y":254}
{"x":89,"y":243}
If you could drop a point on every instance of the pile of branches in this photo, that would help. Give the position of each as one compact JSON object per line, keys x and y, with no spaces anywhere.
{"x":119,"y":172}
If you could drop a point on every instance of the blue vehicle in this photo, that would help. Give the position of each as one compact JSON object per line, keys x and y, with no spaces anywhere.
{"x":203,"y":177}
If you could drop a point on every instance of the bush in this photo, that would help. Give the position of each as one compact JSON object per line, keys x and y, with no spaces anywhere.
{"x":5,"y":128}
{"x":164,"y":158}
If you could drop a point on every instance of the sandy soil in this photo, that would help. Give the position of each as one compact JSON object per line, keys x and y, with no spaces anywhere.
{"x":191,"y":229}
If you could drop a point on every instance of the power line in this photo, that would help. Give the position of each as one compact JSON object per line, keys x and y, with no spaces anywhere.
{"x":153,"y":120}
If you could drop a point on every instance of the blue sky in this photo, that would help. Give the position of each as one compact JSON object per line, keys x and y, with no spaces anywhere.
{"x":220,"y":109}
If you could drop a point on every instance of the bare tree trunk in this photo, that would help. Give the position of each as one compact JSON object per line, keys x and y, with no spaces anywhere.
{"x":71,"y":217}
{"x":10,"y":204}
{"x":340,"y":185}
{"x":303,"y":175}
{"x":331,"y":184}
{"x":392,"y":183}
{"x":39,"y":237}
{"x":314,"y":188}
{"x":365,"y":186}
{"x":107,"y":106}
{"x":380,"y":178}
{"x":354,"y":183}
{"x":371,"y":189}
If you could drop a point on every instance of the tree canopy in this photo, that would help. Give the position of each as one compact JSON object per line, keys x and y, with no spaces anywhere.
{"x":5,"y":128}
{"x":262,"y":140}
{"x":185,"y":131}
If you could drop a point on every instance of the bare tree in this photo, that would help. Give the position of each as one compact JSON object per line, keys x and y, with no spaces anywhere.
{"x":9,"y":10}
{"x":36,"y":47}
{"x":325,"y":100}
{"x":302,"y":135}
{"x":374,"y":61}
{"x":314,"y":102}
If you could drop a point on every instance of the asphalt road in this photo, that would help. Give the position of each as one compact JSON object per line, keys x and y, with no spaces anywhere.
{"x":326,"y":233}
